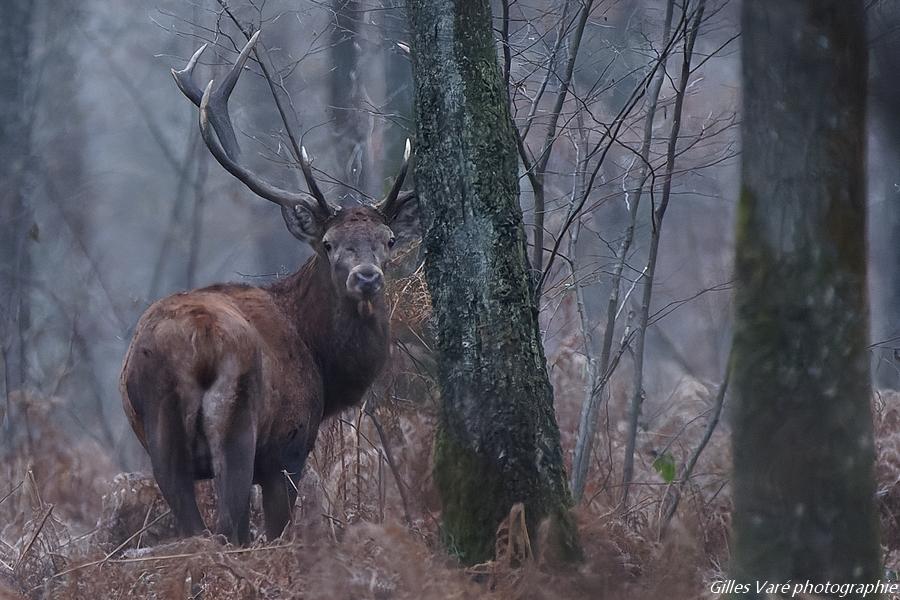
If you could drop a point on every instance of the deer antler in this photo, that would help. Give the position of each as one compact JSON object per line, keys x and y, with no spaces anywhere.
{"x":394,"y":201}
{"x":222,"y":142}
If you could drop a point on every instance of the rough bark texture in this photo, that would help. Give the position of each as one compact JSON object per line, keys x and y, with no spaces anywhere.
{"x":498,"y":442}
{"x":15,"y":213}
{"x":802,"y":442}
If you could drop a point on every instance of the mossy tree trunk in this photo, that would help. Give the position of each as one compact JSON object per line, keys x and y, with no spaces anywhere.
{"x":498,"y":442}
{"x":802,"y":442}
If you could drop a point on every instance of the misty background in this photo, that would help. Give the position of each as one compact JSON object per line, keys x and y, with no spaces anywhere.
{"x":122,"y":203}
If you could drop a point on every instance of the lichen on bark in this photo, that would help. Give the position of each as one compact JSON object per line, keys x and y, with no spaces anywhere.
{"x":498,"y":442}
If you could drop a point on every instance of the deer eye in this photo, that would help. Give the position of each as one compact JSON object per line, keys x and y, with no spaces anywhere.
{"x":391,"y":242}
{"x":327,"y":245}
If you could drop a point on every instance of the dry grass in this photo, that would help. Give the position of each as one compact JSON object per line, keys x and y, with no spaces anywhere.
{"x":367,"y":519}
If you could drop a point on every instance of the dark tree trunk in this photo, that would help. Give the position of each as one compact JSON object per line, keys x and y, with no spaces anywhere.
{"x":16,"y":220}
{"x":398,"y":84}
{"x":346,"y":93}
{"x":498,"y":442}
{"x":885,"y":239}
{"x":803,"y":443}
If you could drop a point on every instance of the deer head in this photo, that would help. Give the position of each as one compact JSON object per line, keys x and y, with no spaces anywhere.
{"x":356,"y":241}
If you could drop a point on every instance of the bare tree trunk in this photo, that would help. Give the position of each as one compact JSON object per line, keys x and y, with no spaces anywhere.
{"x":199,"y":184}
{"x":543,"y":159}
{"x":60,"y":178}
{"x":346,"y":93}
{"x":587,"y":424}
{"x":657,"y":214}
{"x":196,"y":232}
{"x":497,"y":442}
{"x":398,"y":81}
{"x":16,"y":219}
{"x":803,"y":448}
{"x":536,"y":167}
{"x":885,"y":232}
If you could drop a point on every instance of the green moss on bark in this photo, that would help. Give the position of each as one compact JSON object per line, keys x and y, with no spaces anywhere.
{"x":498,"y":442}
{"x":471,"y":496}
{"x":803,"y":448}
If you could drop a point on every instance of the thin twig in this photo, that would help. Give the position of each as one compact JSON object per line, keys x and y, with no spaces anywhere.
{"x":538,"y":173}
{"x":673,"y":493}
{"x":120,"y":561}
{"x":610,"y":137}
{"x":34,"y":537}
{"x":12,"y":491}
{"x":588,"y":419}
{"x":657,"y":214}
{"x":393,"y":465}
{"x":135,"y":534}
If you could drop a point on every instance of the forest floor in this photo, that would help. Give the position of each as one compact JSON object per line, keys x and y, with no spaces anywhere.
{"x":71,"y":527}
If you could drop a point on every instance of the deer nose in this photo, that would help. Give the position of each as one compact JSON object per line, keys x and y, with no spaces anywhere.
{"x":366,"y":280}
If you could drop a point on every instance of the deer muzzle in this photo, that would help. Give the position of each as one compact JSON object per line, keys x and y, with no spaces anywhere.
{"x":365,"y":281}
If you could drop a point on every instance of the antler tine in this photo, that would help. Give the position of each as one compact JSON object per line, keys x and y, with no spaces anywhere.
{"x":221,"y":140}
{"x":184,"y":78}
{"x":221,"y":120}
{"x":390,"y":203}
{"x":224,"y":90}
{"x":311,"y":182}
{"x":283,"y":198}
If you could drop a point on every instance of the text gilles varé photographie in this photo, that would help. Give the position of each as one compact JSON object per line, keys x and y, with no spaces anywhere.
{"x":796,"y":589}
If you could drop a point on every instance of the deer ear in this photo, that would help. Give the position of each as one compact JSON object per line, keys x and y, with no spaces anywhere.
{"x":404,"y":219}
{"x":303,"y":222}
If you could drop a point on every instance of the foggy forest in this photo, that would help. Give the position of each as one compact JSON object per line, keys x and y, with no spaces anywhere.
{"x":564,"y":299}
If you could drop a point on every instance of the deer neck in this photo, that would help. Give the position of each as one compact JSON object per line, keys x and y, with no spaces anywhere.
{"x":351,"y":343}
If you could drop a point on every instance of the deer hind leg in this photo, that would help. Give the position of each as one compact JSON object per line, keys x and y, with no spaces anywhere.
{"x":231,"y":432}
{"x":279,"y":482}
{"x":279,"y":478}
{"x":278,"y":496}
{"x":169,"y":448}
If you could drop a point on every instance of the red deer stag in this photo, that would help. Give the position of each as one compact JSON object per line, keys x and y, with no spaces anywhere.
{"x":231,"y":381}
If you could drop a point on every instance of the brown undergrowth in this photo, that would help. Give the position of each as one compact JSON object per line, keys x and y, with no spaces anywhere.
{"x":367,"y":519}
